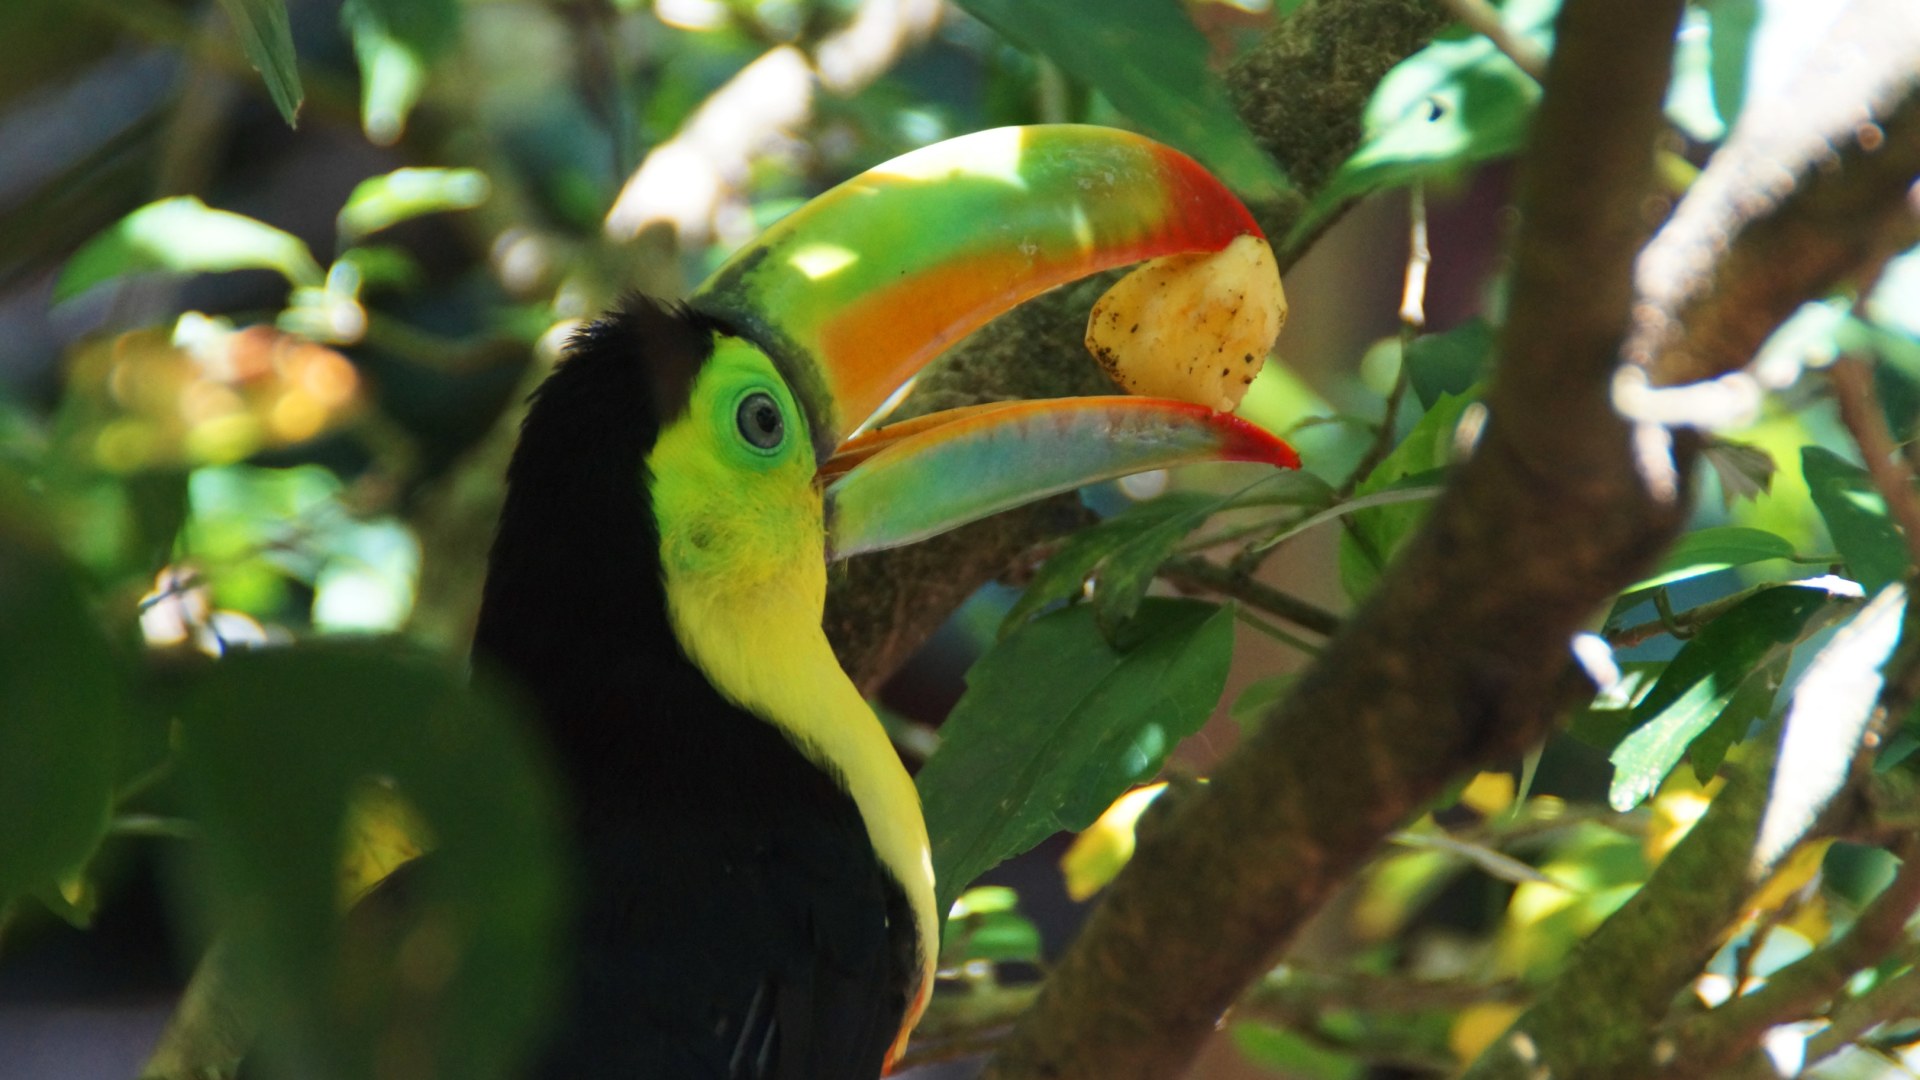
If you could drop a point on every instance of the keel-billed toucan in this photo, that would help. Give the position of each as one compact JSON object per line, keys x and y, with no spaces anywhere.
{"x":756,"y":896}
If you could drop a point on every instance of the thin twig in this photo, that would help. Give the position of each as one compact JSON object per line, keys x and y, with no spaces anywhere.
{"x":1481,"y":17}
{"x":1201,"y":574}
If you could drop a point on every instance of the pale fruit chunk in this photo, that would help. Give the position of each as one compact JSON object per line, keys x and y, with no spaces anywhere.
{"x":1192,"y":327}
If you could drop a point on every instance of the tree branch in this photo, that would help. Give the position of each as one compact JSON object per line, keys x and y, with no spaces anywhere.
{"x":1302,"y":91}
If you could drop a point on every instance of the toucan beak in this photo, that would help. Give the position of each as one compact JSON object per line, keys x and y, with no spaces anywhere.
{"x":854,"y":292}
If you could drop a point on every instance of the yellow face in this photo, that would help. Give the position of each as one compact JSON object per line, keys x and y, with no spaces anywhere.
{"x":741,"y":534}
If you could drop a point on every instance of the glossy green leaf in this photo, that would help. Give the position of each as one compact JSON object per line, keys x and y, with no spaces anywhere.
{"x":1856,"y":517}
{"x":61,"y":689}
{"x":1149,"y":59}
{"x":185,"y":235}
{"x":1752,"y":702}
{"x":268,"y":43}
{"x":1706,"y":551}
{"x":1455,"y":103}
{"x":1376,"y":534}
{"x":1057,"y":722}
{"x":380,"y":202}
{"x":396,"y":41}
{"x":1700,"y":681}
{"x":275,"y":744}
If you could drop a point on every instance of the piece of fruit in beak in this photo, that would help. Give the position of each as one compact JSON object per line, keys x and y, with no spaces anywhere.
{"x":1196,"y":327}
{"x":909,"y":481}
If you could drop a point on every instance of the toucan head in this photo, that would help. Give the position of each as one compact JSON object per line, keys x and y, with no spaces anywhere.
{"x":829,"y":314}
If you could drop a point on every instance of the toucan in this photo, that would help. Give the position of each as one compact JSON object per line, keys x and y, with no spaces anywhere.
{"x":755,"y":892}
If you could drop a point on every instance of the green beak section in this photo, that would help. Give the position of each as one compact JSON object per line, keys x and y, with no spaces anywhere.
{"x":854,"y":292}
{"x":904,"y":483}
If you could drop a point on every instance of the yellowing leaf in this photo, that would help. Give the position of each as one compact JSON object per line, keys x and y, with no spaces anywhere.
{"x":1682,"y":801}
{"x":1477,"y":1026}
{"x":383,"y":834}
{"x":1098,"y":853}
{"x":1489,"y":793}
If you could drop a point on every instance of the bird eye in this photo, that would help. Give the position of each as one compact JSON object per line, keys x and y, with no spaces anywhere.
{"x":760,"y":421}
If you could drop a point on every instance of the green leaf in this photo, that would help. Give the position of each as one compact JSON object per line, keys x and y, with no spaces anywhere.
{"x":1691,"y":102}
{"x":1730,"y":30}
{"x":1375,"y":535}
{"x":1709,"y":550}
{"x":1455,"y":103}
{"x":275,"y":745}
{"x":1701,"y":680}
{"x":1745,"y":471}
{"x":380,"y":202}
{"x":1057,"y":722}
{"x":1449,"y":363}
{"x":62,"y":692}
{"x":1250,"y":709}
{"x":1149,"y":59}
{"x":1752,"y":702}
{"x":395,"y":42}
{"x":1287,"y":1054}
{"x":184,"y":235}
{"x":984,"y":925}
{"x":268,"y":42}
{"x":1608,"y":718}
{"x":1856,"y":517}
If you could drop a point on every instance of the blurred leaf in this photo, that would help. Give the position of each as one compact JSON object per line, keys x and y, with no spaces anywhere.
{"x":1375,"y":535}
{"x":184,"y":235}
{"x":276,"y":744}
{"x":1745,"y":472}
{"x":264,"y":34}
{"x":1104,"y":847}
{"x":1827,"y":720}
{"x":1284,"y":1052}
{"x":1250,"y":709}
{"x":1596,"y":869}
{"x":1730,"y":28}
{"x":1455,"y":103}
{"x":1701,"y":680}
{"x":984,"y":924}
{"x":380,"y":202}
{"x":1477,"y":1025}
{"x":1752,"y":702}
{"x":1608,"y":718}
{"x":1856,"y":517}
{"x":395,"y":42}
{"x":1057,"y":722}
{"x":1451,"y":362}
{"x":1712,"y":549}
{"x":1149,"y":59}
{"x":62,"y":692}
{"x":383,"y":266}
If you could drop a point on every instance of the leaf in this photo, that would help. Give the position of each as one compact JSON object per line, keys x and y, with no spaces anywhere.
{"x":1701,"y":680}
{"x":984,"y":924}
{"x":1105,"y":847}
{"x":1449,"y":363}
{"x":1374,"y":536}
{"x":1250,"y":709}
{"x":184,"y":235}
{"x":1710,"y":550}
{"x":1827,"y":721}
{"x":1149,"y":59}
{"x":1455,"y":103}
{"x":276,"y":745}
{"x":268,"y":43}
{"x":1608,"y":718}
{"x":1856,"y":518}
{"x":1122,"y":577}
{"x":1730,"y":32}
{"x":62,"y":691}
{"x":1745,"y":471}
{"x":395,"y":42}
{"x":1057,"y":722}
{"x":1283,"y":1052}
{"x":1752,"y":702}
{"x":1691,"y":102}
{"x":380,"y":202}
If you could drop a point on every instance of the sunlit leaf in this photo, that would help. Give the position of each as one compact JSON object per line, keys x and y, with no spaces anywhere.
{"x":277,"y":743}
{"x":1608,"y":718}
{"x":1057,"y":721}
{"x":1701,"y":680}
{"x":1751,"y":702}
{"x":1716,"y":548}
{"x":380,"y":202}
{"x":61,"y":690}
{"x":185,"y":235}
{"x":1856,"y":517}
{"x":985,"y":924}
{"x":1457,"y":102}
{"x":1691,"y":104}
{"x":1147,"y":57}
{"x":1828,"y":718}
{"x":1104,"y":847}
{"x":268,"y":42}
{"x":1730,"y":31}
